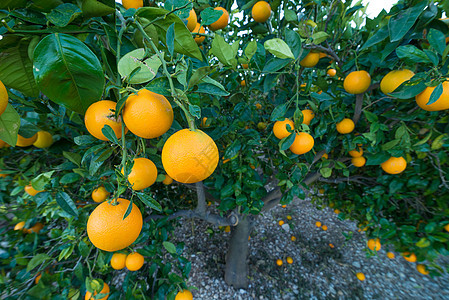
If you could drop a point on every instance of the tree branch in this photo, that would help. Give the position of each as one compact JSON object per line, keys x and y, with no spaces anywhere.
{"x":358,"y":108}
{"x":324,"y":49}
{"x":201,"y":202}
{"x":231,"y":220}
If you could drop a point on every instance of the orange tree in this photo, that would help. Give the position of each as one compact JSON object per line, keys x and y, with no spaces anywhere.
{"x":144,"y":108}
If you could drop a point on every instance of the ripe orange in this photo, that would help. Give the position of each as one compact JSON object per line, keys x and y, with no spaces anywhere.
{"x":281,"y":223}
{"x":100,"y":194}
{"x":358,"y":161}
{"x":261,"y":11}
{"x":374,"y":244}
{"x":184,"y":295}
{"x":357,"y":82}
{"x":331,"y":245}
{"x":422,"y":269}
{"x":44,"y":139}
{"x":243,"y":83}
{"x":394,"y":165}
{"x":355,"y":153}
{"x":337,"y":211}
{"x":360,"y":276}
{"x":132,"y":3}
{"x":245,"y":66}
{"x":310,"y":60}
{"x":390,"y":255}
{"x":36,"y":227}
{"x":324,"y":227}
{"x":410,"y":257}
{"x":279,"y":262}
{"x":222,"y":22}
{"x":318,"y":224}
{"x":227,"y":229}
{"x":189,"y":156}
{"x":393,"y":79}
{"x":280,"y":128}
{"x":98,"y":115}
{"x":3,"y":98}
{"x":118,"y":261}
{"x":303,"y":143}
{"x":147,"y":114}
{"x":289,"y":260}
{"x":3,"y":144}
{"x":19,"y":225}
{"x":143,"y":174}
{"x":38,"y":277}
{"x":325,"y":156}
{"x":104,"y":290}
{"x":331,"y":72}
{"x":308,"y":115}
{"x":134,"y":261}
{"x":442,"y":103}
{"x":345,"y":126}
{"x":167,"y":180}
{"x":192,"y":20}
{"x":25,"y":142}
{"x":108,"y":231}
{"x":199,"y":29}
{"x":446,"y":227}
{"x":31,"y":191}
{"x":284,"y":206}
{"x":293,"y":238}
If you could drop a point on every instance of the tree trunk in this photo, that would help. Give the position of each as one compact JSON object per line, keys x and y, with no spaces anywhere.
{"x":236,"y":270}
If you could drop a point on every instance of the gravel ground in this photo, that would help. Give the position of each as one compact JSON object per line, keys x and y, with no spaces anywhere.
{"x":317,"y":272}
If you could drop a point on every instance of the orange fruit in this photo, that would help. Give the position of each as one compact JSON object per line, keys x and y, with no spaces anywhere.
{"x":442,"y":103}
{"x":293,"y":238}
{"x":289,"y":260}
{"x":192,"y":20}
{"x":355,"y":153}
{"x":393,"y":79}
{"x":245,"y":66}
{"x":189,"y":156}
{"x":36,"y":228}
{"x":360,"y":276}
{"x":3,"y":98}
{"x":309,"y":22}
{"x":281,"y":223}
{"x":374,"y":244}
{"x":132,"y":4}
{"x":227,"y":229}
{"x":98,"y":115}
{"x":243,"y":83}
{"x":19,"y":225}
{"x":303,"y":143}
{"x":321,"y":191}
{"x":308,"y":115}
{"x":358,"y":161}
{"x":337,"y":211}
{"x":226,"y":160}
{"x":134,"y":261}
{"x":422,"y":269}
{"x":289,"y":217}
{"x":261,"y":11}
{"x":167,"y":180}
{"x":108,"y":231}
{"x":222,"y":22}
{"x":184,"y":295}
{"x":390,"y":255}
{"x":310,"y":60}
{"x":325,"y":156}
{"x":410,"y":257}
{"x":143,"y":174}
{"x":203,"y":122}
{"x":25,"y":142}
{"x":345,"y":126}
{"x":331,"y":245}
{"x":284,"y":206}
{"x":118,"y":261}
{"x":38,"y":277}
{"x":31,"y":191}
{"x":357,"y":82}
{"x":394,"y":165}
{"x":324,"y":227}
{"x":280,"y":128}
{"x":318,"y":224}
{"x":446,"y":227}
{"x":100,"y":194}
{"x":104,"y":290}
{"x":279,"y":262}
{"x":147,"y":114}
{"x":44,"y":139}
{"x":3,"y":144}
{"x":331,"y":72}
{"x":199,"y":29}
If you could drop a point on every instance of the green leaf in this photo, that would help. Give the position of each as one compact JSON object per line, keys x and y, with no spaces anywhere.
{"x":390,"y":144}
{"x":69,"y":178}
{"x":42,"y":180}
{"x":319,"y":37}
{"x":146,"y":69}
{"x":210,"y":15}
{"x":195,"y":111}
{"x":16,"y":68}
{"x":37,"y":260}
{"x":278,"y":48}
{"x":213,"y":87}
{"x":95,"y":8}
{"x":169,"y":247}
{"x":371,"y":117}
{"x":198,"y":75}
{"x":423,"y":243}
{"x":290,"y":15}
{"x":286,"y":142}
{"x":149,"y":201}
{"x":400,"y":24}
{"x":68,"y":72}
{"x":411,"y":54}
{"x":251,"y":49}
{"x":279,"y":112}
{"x":9,"y":125}
{"x":409,"y":89}
{"x":378,"y":37}
{"x":84,"y":140}
{"x":66,"y":203}
{"x":170,"y":39}
{"x":64,"y":14}
{"x":293,"y":40}
{"x":73,"y":157}
{"x":128,"y":210}
{"x":326,"y":172}
{"x":184,"y":42}
{"x":437,"y":40}
{"x":436,"y":93}
{"x":109,"y":133}
{"x":223,"y":51}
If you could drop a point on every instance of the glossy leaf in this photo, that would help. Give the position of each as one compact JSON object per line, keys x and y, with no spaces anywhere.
{"x":210,"y":15}
{"x":66,"y":203}
{"x":278,"y":48}
{"x":64,"y":14}
{"x":9,"y":125}
{"x":134,"y":69}
{"x":400,"y":24}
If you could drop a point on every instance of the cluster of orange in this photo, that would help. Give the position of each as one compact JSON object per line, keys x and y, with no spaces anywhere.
{"x":133,"y":261}
{"x":35,"y":228}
